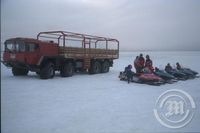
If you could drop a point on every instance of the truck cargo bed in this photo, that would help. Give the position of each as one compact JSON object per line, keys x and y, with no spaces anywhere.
{"x":74,"y":52}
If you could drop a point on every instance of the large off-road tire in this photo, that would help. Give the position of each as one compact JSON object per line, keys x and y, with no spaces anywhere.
{"x":105,"y":67}
{"x":67,"y":70}
{"x":47,"y":71}
{"x":95,"y":68}
{"x":19,"y":71}
{"x":38,"y":73}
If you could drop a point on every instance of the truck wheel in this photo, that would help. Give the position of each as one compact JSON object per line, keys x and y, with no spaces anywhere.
{"x":47,"y":71}
{"x":95,"y":68}
{"x":105,"y":67}
{"x":38,"y":73}
{"x":67,"y":70}
{"x":19,"y":71}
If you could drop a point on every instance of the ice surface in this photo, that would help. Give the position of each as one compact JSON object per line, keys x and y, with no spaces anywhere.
{"x":92,"y":103}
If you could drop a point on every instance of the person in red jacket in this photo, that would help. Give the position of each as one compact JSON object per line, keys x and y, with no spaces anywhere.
{"x":140,"y":63}
{"x":136,"y":64}
{"x":149,"y":63}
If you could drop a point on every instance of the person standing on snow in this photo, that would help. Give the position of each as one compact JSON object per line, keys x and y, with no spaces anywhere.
{"x":136,"y":64}
{"x":140,"y":64}
{"x":149,"y":63}
{"x":129,"y":73}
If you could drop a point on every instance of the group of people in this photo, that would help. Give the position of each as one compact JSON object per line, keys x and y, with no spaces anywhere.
{"x":168,"y":67}
{"x":143,"y":65}
{"x":140,"y":63}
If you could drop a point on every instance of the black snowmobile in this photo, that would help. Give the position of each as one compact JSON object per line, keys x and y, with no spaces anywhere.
{"x":168,"y":78}
{"x":176,"y":73}
{"x":190,"y":73}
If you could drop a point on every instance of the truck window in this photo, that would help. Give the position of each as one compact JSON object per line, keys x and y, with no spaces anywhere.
{"x":31,"y":47}
{"x":9,"y":46}
{"x":20,"y":47}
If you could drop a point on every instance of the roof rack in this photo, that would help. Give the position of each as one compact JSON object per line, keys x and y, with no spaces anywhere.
{"x":65,"y":35}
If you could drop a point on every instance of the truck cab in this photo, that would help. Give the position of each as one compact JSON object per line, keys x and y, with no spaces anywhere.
{"x":24,"y":54}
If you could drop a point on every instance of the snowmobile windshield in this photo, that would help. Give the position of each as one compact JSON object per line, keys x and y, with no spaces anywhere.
{"x":146,"y":70}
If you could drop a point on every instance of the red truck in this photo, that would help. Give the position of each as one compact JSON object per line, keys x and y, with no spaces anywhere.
{"x":61,"y":51}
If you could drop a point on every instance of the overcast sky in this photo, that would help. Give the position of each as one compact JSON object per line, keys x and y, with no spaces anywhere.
{"x":137,"y":24}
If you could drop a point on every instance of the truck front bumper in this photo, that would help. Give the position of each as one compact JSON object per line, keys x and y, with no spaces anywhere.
{"x":18,"y":64}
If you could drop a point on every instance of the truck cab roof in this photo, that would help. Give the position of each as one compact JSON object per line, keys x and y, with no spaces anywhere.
{"x":29,"y":40}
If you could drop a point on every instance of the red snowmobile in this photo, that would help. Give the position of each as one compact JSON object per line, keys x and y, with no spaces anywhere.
{"x":146,"y":77}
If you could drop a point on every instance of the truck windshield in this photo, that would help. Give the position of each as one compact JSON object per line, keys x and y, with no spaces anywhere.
{"x":9,"y":46}
{"x":19,"y":46}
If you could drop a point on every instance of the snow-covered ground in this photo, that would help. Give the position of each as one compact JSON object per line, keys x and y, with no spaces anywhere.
{"x":92,"y":103}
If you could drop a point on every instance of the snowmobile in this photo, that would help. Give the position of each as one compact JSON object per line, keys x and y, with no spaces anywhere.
{"x":178,"y":74}
{"x":147,"y":76}
{"x":168,"y":78}
{"x":190,"y":73}
{"x":151,"y":79}
{"x":143,"y":78}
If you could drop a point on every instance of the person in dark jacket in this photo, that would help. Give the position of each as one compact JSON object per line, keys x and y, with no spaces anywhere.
{"x":168,"y":67}
{"x":149,"y":63}
{"x":156,"y":69}
{"x":178,"y":66}
{"x":125,"y":69}
{"x":129,"y":73}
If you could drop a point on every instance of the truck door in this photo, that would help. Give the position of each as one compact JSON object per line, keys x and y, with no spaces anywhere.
{"x":32,"y":53}
{"x":19,"y":53}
